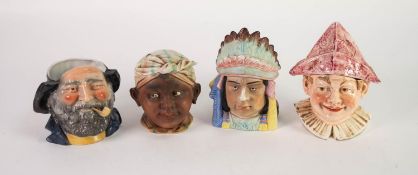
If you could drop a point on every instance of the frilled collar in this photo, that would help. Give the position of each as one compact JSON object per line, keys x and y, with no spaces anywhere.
{"x":347,"y":129}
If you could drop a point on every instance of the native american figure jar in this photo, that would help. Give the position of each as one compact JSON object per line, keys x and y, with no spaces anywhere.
{"x":335,"y":77}
{"x":165,"y":88}
{"x":244,"y":90}
{"x":79,"y":95}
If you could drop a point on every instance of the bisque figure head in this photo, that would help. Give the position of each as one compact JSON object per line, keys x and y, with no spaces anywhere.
{"x":336,"y":77}
{"x":79,"y":94}
{"x":166,"y":89}
{"x":245,"y":96}
{"x":244,"y":91}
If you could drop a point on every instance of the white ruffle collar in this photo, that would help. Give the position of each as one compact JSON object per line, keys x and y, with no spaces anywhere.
{"x":347,"y":129}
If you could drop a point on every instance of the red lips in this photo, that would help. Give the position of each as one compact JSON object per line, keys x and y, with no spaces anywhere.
{"x":333,"y":109}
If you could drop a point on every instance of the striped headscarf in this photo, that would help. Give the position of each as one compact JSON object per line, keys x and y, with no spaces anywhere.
{"x":164,"y":62}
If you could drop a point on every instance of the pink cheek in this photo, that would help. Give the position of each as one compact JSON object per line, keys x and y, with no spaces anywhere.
{"x":70,"y":99}
{"x":101,"y":95}
{"x":349,"y":101}
{"x":319,"y":98}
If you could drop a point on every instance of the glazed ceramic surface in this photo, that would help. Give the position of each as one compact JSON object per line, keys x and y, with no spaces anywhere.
{"x":244,"y":90}
{"x":165,"y":89}
{"x":79,"y":94}
{"x":336,"y":77}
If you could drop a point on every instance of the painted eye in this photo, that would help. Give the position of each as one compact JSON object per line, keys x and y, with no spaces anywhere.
{"x":253,"y":89}
{"x":176,"y":93}
{"x":154,"y":96}
{"x":322,"y":89}
{"x":73,"y":89}
{"x":346,"y":90}
{"x":97,"y":86}
{"x":235,"y":88}
{"x":70,"y":89}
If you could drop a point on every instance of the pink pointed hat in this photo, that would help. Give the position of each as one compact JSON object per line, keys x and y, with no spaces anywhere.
{"x":335,"y":53}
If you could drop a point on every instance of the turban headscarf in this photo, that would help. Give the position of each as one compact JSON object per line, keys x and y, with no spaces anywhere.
{"x":164,"y":62}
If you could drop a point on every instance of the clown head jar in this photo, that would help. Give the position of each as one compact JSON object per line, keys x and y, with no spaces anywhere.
{"x":335,"y":77}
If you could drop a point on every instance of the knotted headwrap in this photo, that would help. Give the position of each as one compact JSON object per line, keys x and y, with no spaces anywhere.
{"x":164,"y":62}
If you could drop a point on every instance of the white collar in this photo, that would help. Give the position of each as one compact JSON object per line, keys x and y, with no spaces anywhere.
{"x":346,"y":129}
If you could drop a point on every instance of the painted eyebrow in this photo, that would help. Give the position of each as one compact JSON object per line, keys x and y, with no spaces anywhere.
{"x":254,"y":82}
{"x":348,"y":81}
{"x":151,"y":86}
{"x":72,"y":83}
{"x":231,"y":81}
{"x":93,"y":80}
{"x":326,"y":79}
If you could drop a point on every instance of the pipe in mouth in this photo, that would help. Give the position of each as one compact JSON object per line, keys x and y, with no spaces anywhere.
{"x":104,"y":113}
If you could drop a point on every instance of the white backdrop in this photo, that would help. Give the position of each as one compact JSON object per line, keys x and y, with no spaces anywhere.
{"x":36,"y":34}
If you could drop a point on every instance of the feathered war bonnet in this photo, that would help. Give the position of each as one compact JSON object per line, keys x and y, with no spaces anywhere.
{"x":246,"y":55}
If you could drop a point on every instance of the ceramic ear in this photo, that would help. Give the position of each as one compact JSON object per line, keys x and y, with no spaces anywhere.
{"x":196,"y":92}
{"x":135,"y":95}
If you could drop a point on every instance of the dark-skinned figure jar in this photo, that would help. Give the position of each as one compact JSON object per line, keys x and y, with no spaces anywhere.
{"x":165,"y":88}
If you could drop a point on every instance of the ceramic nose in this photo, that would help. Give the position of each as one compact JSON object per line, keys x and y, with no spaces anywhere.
{"x":244,"y":96}
{"x":334,"y":98}
{"x":168,"y":106}
{"x":85,"y":94}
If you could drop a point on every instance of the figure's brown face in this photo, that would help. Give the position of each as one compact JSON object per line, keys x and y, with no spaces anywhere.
{"x":166,"y":100}
{"x":334,"y":98}
{"x":245,"y":96}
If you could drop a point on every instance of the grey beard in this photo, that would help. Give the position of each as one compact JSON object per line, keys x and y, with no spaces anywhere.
{"x":79,"y":119}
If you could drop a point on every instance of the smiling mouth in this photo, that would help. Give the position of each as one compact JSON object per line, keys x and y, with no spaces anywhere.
{"x":333,"y":109}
